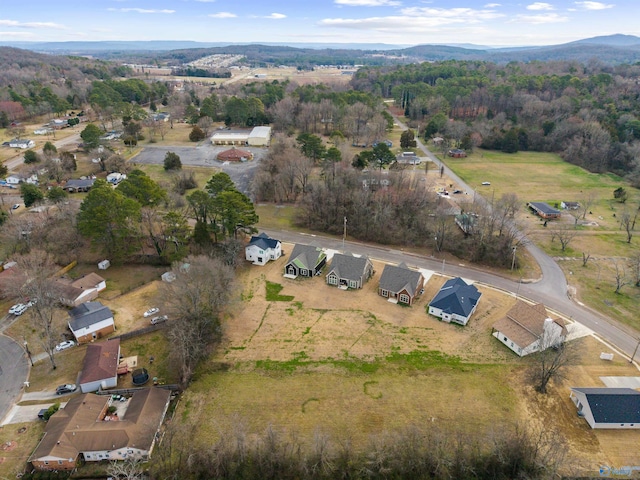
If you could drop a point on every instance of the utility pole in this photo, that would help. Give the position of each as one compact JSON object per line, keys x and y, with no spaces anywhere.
{"x":28,"y":352}
{"x":344,"y":233}
{"x":513,"y":261}
{"x":635,"y":351}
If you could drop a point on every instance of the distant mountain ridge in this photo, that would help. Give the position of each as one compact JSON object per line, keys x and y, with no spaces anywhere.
{"x":610,"y":49}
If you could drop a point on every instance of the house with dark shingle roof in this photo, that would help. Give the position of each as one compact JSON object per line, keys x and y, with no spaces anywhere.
{"x":617,"y":408}
{"x":348,"y":271}
{"x":90,"y":320}
{"x":528,"y":328}
{"x":455,"y":302}
{"x":79,"y":184}
{"x":400,"y":284}
{"x":83,"y":430}
{"x":305,"y":261}
{"x":544,"y":210}
{"x":262,"y":248}
{"x":100,"y":367}
{"x":83,"y":289}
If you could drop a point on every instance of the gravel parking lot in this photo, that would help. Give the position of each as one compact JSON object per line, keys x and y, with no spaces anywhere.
{"x":204,"y":155}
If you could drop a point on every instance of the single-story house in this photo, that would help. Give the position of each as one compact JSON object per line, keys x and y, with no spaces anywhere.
{"x":528,"y":328}
{"x":305,"y":261}
{"x":569,"y":205}
{"x":91,"y":320}
{"x":617,"y":408}
{"x":235,"y":155}
{"x":230,"y":138}
{"x":400,"y":284}
{"x":457,"y":153}
{"x":262,"y":248}
{"x":544,"y":210}
{"x":22,"y":143}
{"x":160,"y":117}
{"x":259,"y":137}
{"x":83,"y":430}
{"x":100,"y":366}
{"x":348,"y":271}
{"x":83,"y":289}
{"x":43,"y":131}
{"x":79,"y":185}
{"x":168,"y":277}
{"x":18,"y":179}
{"x":455,"y":302}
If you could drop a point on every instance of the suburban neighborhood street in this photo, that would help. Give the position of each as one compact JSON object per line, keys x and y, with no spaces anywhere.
{"x":14,"y":371}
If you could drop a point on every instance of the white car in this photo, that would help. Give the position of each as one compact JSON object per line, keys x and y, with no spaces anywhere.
{"x":15,"y":206}
{"x":151,"y":311}
{"x":20,"y":310}
{"x":64,"y":345}
{"x":13,"y":309}
{"x":161,"y":318}
{"x":486,"y":183}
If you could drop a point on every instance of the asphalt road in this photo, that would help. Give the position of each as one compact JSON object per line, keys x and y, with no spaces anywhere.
{"x":14,"y":369}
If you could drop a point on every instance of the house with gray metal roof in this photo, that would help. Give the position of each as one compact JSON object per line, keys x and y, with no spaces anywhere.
{"x":400,"y":284}
{"x":90,"y":320}
{"x":544,"y":210}
{"x":617,"y":408}
{"x":79,"y":185}
{"x":305,"y":261}
{"x":349,"y":271}
{"x":262,"y":248}
{"x":455,"y":302}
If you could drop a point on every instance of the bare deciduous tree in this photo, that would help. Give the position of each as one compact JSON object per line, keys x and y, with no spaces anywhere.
{"x":628,"y":221}
{"x":554,"y":356}
{"x":620,"y":276}
{"x":129,"y":469}
{"x":564,"y":234}
{"x":195,"y":299}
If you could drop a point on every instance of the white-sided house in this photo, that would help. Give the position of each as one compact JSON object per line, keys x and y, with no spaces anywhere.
{"x":84,"y":430}
{"x":22,"y":143}
{"x":90,"y":321}
{"x":614,"y":408}
{"x":14,"y":179}
{"x":455,"y":302}
{"x":115,"y":178}
{"x":80,"y":290}
{"x":262,"y":248}
{"x":100,"y":366}
{"x":528,"y":328}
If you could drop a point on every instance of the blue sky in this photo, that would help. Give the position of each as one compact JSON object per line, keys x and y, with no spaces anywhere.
{"x":500,"y":23}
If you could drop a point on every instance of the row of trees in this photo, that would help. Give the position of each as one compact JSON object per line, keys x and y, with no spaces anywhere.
{"x":587,"y":114}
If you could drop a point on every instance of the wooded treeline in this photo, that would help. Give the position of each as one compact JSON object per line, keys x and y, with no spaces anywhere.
{"x":587,"y":113}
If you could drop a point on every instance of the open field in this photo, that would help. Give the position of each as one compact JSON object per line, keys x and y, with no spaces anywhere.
{"x":544,"y":177}
{"x":351,"y":365}
{"x":17,"y":441}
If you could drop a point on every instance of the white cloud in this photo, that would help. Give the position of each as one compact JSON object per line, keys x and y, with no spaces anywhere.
{"x":540,"y":19}
{"x":368,"y":3}
{"x":275,"y":16}
{"x":206,"y":1}
{"x":492,"y":5}
{"x":14,"y":23}
{"x":16,"y":34}
{"x":223,"y":15}
{"x":594,"y":5}
{"x":540,"y":6}
{"x":416,"y":20}
{"x":140,"y":10}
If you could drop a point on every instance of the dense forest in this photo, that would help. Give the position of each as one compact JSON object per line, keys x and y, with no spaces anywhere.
{"x":586,"y":113}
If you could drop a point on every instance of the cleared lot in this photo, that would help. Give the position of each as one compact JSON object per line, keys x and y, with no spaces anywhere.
{"x":204,"y":155}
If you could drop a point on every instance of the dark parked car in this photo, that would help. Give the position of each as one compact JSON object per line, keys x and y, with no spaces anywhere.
{"x":66,"y":388}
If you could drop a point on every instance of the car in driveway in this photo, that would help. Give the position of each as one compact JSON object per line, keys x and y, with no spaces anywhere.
{"x":15,"y":206}
{"x":66,"y":388}
{"x":64,"y":345}
{"x":20,"y":309}
{"x":13,"y":309}
{"x":151,"y":311}
{"x":160,"y":319}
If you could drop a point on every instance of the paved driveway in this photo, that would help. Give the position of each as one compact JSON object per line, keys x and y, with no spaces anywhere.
{"x":14,"y":370}
{"x":204,"y":155}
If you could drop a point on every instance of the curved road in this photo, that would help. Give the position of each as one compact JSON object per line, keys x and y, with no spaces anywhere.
{"x":14,"y":369}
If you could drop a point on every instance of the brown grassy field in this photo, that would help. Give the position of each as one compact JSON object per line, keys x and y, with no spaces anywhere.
{"x":350,"y":364}
{"x":17,"y":441}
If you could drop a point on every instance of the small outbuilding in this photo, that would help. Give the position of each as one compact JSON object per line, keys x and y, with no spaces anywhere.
{"x":235,"y":155}
{"x":457,"y":153}
{"x":104,"y":264}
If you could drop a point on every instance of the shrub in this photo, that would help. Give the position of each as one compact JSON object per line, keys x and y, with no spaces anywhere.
{"x":196,"y":134}
{"x":172,"y":161}
{"x":31,"y":157}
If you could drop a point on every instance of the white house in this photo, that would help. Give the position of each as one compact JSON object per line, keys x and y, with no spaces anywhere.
{"x":115,"y":178}
{"x":528,"y":328}
{"x":262,"y":248}
{"x":455,"y":302}
{"x":22,"y":143}
{"x":80,"y":290}
{"x":83,"y":429}
{"x":614,"y":408}
{"x":90,"y":321}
